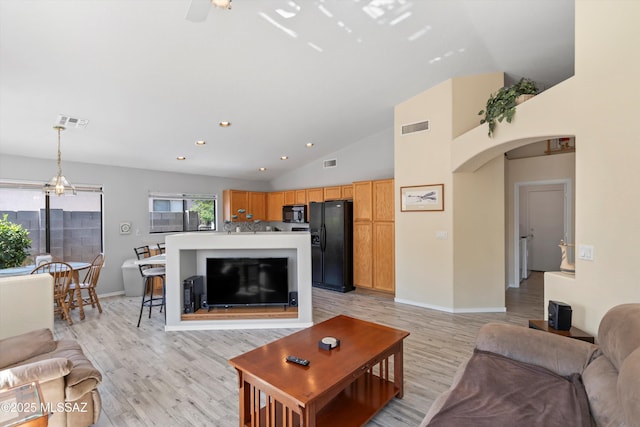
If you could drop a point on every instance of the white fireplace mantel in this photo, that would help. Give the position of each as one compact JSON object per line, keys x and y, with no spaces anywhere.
{"x":186,"y":256}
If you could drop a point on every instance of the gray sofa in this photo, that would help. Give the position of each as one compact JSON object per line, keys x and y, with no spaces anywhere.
{"x":68,"y":380}
{"x":521,"y":376}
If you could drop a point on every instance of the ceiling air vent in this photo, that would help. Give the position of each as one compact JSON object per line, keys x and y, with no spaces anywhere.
{"x":415,"y":127}
{"x":72,"y":122}
{"x":330,"y":163}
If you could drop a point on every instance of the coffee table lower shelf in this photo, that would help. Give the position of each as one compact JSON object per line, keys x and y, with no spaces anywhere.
{"x":358,"y":403}
{"x":353,"y":406}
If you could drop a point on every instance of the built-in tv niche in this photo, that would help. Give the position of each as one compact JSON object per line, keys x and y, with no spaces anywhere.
{"x":247,"y":281}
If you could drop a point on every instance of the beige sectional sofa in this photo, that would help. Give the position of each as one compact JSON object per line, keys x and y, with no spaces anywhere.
{"x":68,"y":380}
{"x":28,"y":352}
{"x":519,"y":376}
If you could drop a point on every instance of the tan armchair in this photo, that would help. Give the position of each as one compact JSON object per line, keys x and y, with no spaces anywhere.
{"x":602,"y":382}
{"x":68,"y":380}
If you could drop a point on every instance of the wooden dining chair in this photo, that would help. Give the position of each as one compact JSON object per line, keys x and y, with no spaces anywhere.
{"x":88,"y":284}
{"x":62,"y":276}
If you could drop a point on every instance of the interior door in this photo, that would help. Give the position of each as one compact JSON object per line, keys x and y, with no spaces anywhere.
{"x":545,"y":209}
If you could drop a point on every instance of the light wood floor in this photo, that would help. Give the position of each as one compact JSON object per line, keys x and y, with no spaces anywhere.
{"x":157,"y":378}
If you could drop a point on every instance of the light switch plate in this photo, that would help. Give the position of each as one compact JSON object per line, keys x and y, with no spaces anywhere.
{"x":586,"y":252}
{"x":442,"y":235}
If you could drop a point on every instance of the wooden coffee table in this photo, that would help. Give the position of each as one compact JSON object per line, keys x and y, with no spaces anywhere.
{"x":343,"y":386}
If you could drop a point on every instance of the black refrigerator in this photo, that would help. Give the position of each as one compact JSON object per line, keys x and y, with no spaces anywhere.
{"x":331,"y":228}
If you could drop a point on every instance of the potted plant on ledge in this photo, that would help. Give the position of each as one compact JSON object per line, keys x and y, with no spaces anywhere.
{"x":502,"y":104}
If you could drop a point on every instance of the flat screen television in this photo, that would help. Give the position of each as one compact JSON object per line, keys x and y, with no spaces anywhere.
{"x":247,"y":281}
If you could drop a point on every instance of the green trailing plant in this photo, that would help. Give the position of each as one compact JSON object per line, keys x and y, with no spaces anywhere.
{"x":502,"y":104}
{"x":14,"y":242}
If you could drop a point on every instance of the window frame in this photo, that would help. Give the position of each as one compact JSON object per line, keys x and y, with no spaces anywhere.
{"x":185,"y":198}
{"x":38,"y":186}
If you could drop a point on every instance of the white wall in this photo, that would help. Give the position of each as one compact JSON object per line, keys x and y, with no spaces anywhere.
{"x":126,"y":192}
{"x":478,"y":239}
{"x":607,"y":172}
{"x":367,"y":159}
{"x":424,"y":264}
{"x":449,"y":273}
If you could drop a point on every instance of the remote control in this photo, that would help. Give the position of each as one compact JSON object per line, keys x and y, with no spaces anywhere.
{"x":293,"y":359}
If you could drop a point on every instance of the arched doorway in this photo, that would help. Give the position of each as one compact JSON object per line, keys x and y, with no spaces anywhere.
{"x":540,"y":196}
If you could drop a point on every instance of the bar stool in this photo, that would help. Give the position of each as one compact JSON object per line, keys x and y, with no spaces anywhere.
{"x":148,"y":273}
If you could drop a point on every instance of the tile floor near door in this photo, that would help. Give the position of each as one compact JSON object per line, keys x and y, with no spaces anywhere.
{"x":157,"y":378}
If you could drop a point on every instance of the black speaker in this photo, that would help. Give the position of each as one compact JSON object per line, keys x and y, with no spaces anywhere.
{"x":193,"y":293}
{"x":187,"y":300}
{"x":559,"y":315}
{"x":293,"y":299}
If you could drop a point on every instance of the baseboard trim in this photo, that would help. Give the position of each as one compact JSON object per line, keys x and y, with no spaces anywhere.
{"x":423,"y":305}
{"x":111,"y":294}
{"x":452,"y":309}
{"x":481,"y":310}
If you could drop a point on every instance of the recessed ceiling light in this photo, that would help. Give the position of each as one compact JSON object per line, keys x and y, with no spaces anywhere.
{"x":262,"y":169}
{"x":309,"y":144}
{"x":222,"y":4}
{"x":284,"y":157}
{"x":181,"y":158}
{"x":225,"y":124}
{"x":201,"y":142}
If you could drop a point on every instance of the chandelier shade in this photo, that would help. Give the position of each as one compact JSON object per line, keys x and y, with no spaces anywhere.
{"x":59,"y":184}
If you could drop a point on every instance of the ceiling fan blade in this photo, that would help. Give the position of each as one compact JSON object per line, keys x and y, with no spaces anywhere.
{"x":198,"y":10}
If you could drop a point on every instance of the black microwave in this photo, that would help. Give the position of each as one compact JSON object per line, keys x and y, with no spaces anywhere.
{"x":294,"y":213}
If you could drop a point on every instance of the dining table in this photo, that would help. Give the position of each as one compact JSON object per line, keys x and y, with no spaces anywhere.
{"x":76,"y":266}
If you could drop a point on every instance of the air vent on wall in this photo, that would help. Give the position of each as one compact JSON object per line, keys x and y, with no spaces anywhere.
{"x":330,"y":163}
{"x":72,"y":122}
{"x":415,"y":127}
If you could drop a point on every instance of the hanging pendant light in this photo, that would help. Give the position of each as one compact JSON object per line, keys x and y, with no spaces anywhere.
{"x":59,"y":184}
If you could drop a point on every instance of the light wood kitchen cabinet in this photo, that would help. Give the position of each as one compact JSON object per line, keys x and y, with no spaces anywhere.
{"x":383,"y":200}
{"x":315,"y":195}
{"x":384,"y":256}
{"x":347,"y":192}
{"x":332,"y":193}
{"x":257,"y":205}
{"x":362,"y":201}
{"x":232,"y":200}
{"x":362,"y":254}
{"x":290,"y":197}
{"x":253,"y":202}
{"x":275,"y":201}
{"x":301,"y":197}
{"x":374,"y":235}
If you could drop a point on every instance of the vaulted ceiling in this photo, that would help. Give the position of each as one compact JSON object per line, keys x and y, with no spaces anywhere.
{"x":285,"y":73}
